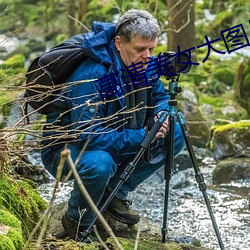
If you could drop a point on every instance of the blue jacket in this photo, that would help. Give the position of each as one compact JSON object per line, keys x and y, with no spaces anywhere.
{"x":88,"y":117}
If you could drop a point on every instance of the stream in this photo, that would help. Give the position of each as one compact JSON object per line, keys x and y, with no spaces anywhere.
{"x":187,"y":212}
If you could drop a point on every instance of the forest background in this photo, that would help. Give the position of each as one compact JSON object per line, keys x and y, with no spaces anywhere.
{"x":219,"y":78}
{"x":34,"y":26}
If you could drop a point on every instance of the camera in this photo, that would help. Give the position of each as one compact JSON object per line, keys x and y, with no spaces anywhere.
{"x":172,"y":64}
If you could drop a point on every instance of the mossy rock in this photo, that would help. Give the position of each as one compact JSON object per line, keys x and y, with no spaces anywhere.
{"x":22,"y":200}
{"x":150,"y":235}
{"x":231,"y":139}
{"x":11,"y":237}
{"x":16,"y":61}
{"x":221,"y":107}
{"x":128,"y":244}
{"x":13,"y":70}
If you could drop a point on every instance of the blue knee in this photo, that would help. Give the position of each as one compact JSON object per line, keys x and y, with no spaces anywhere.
{"x":98,"y":165}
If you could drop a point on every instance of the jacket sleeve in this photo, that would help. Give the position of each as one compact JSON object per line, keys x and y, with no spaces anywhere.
{"x":160,"y":97}
{"x":88,"y":119}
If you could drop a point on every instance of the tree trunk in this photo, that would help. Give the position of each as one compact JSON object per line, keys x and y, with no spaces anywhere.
{"x":72,"y":13}
{"x":181,"y":24}
{"x":83,"y":7}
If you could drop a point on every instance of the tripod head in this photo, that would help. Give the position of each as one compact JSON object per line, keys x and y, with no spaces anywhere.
{"x":174,"y":89}
{"x":173,"y":67}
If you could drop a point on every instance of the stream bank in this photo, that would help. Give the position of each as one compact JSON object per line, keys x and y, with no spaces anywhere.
{"x":188,"y":216}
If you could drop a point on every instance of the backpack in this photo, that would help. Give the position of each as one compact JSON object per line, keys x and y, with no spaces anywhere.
{"x":47,"y":74}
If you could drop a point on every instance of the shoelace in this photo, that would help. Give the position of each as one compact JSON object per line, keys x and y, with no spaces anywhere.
{"x":127,"y":203}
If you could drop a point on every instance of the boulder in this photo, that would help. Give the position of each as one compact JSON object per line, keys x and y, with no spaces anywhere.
{"x":231,"y":169}
{"x":197,"y":125}
{"x":230,"y":140}
{"x":150,"y":235}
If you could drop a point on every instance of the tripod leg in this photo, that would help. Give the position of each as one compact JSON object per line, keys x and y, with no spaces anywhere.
{"x":168,"y":173}
{"x":199,"y":176}
{"x":129,"y":169}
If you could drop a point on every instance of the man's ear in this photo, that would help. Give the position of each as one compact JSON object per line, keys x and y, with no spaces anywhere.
{"x":118,"y":42}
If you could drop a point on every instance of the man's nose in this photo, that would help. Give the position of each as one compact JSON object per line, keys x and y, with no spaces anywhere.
{"x":146,"y":54}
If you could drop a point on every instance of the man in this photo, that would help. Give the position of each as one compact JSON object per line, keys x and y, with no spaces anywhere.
{"x":109,"y":122}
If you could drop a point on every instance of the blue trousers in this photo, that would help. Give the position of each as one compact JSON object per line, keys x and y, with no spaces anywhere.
{"x":100,"y":170}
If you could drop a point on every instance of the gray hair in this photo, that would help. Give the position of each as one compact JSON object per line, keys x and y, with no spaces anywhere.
{"x":137,"y":22}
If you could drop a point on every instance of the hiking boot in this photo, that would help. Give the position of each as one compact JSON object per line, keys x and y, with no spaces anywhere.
{"x":75,"y":231}
{"x":121,"y":211}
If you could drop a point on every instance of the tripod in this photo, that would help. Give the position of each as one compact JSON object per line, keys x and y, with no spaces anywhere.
{"x":169,"y":163}
{"x":173,"y":90}
{"x":129,"y":169}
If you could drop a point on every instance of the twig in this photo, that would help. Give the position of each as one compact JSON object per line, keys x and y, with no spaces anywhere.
{"x":99,"y":238}
{"x":137,"y":236}
{"x":66,"y":154}
{"x":45,"y":217}
{"x":77,"y":21}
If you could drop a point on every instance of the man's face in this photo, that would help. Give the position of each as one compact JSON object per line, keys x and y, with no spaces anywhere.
{"x":137,"y":50}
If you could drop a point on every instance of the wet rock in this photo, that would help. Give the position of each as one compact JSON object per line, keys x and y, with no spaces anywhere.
{"x":150,"y":234}
{"x":181,"y":179}
{"x":231,"y":169}
{"x":197,"y":125}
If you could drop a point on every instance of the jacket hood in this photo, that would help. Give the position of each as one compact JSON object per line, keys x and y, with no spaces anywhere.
{"x":98,"y":42}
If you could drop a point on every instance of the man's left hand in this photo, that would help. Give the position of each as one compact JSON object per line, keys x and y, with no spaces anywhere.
{"x":164,"y":128}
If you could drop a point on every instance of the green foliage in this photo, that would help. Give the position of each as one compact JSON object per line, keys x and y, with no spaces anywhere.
{"x":149,"y":244}
{"x":13,"y":66}
{"x":215,"y":75}
{"x":21,"y":199}
{"x":218,"y":103}
{"x":16,"y":61}
{"x":242,"y":84}
{"x":13,"y":239}
{"x":224,"y":75}
{"x":6,"y":243}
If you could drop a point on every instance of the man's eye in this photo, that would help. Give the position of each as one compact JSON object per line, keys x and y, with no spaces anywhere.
{"x":139,"y":49}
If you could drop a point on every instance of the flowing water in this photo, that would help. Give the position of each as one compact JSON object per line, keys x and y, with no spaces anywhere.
{"x":187,"y":212}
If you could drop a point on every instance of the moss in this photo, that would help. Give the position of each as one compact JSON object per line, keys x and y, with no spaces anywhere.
{"x":6,"y":243}
{"x":238,"y":128}
{"x":13,"y":71}
{"x":16,"y":237}
{"x":9,"y":219}
{"x":13,"y":239}
{"x":128,"y":244}
{"x":16,"y":61}
{"x":22,"y":200}
{"x":224,"y":75}
{"x":214,"y":101}
{"x":220,"y":102}
{"x":235,"y":125}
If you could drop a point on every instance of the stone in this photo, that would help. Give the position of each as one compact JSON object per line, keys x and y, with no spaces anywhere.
{"x":231,"y":169}
{"x":230,"y":140}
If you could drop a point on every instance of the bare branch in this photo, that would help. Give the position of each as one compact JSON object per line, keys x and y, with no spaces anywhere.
{"x":66,"y":154}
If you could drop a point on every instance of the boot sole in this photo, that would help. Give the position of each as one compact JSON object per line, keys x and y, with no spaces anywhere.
{"x":121,"y":219}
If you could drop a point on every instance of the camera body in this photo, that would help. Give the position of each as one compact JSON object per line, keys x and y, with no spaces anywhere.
{"x":172,"y":64}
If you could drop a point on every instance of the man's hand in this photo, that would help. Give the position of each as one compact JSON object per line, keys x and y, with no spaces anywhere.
{"x":164,"y":128}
